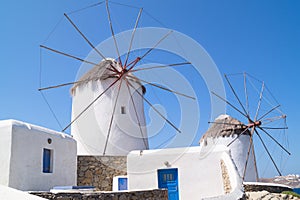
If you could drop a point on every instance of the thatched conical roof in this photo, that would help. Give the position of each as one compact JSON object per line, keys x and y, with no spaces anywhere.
{"x":225,"y":126}
{"x":98,"y":72}
{"x":103,"y":71}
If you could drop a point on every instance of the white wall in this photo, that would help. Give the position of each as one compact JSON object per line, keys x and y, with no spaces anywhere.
{"x":5,"y":153}
{"x":91,"y":129}
{"x":7,"y":193}
{"x":26,"y":161}
{"x":238,"y":151}
{"x":199,"y":170}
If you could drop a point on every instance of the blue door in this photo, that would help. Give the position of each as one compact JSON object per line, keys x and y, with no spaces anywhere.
{"x":168,"y":178}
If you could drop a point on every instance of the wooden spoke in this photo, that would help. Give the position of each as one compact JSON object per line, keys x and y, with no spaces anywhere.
{"x":278,"y":128}
{"x":238,"y":136}
{"x":232,"y":89}
{"x":60,"y":85}
{"x":161,"y":66}
{"x":137,"y":117}
{"x":268,"y":112}
{"x":84,"y":37}
{"x":248,"y":154}
{"x":255,"y":165}
{"x":151,"y":49}
{"x":259,"y":101}
{"x":84,"y":110}
{"x":235,"y":108}
{"x":161,"y":115}
{"x":68,"y":55}
{"x":275,"y":140}
{"x":224,"y":123}
{"x":112,"y":118}
{"x":161,"y":87}
{"x":71,"y":83}
{"x":112,"y":32}
{"x":76,"y":58}
{"x":132,"y":36}
{"x":265,"y":147}
{"x":272,"y":119}
{"x":246,"y":94}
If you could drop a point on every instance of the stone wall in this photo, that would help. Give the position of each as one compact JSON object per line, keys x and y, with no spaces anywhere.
{"x":157,"y":194}
{"x":98,"y":171}
{"x":225,"y":176}
{"x":264,"y":195}
{"x":264,"y":187}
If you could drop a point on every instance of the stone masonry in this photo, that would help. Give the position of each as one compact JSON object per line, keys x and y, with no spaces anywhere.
{"x":98,"y":171}
{"x":225,"y":176}
{"x":157,"y":194}
{"x":269,"y":188}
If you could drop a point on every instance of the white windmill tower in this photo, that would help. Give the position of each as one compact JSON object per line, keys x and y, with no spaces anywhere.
{"x":108,"y":101}
{"x":223,"y":131}
{"x":114,"y":125}
{"x":239,"y":137}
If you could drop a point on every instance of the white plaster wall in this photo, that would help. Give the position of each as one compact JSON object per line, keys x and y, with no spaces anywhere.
{"x":238,"y":151}
{"x":91,"y":129}
{"x":7,"y":193}
{"x":236,"y":182}
{"x":199,"y":170}
{"x":5,"y":153}
{"x":27,"y":143}
{"x":116,"y":182}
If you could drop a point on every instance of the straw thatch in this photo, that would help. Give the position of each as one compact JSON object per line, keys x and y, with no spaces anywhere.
{"x":225,"y":126}
{"x":102,"y":71}
{"x":98,"y":72}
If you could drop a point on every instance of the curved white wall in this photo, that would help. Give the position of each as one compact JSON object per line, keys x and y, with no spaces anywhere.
{"x":91,"y":129}
{"x":238,"y":151}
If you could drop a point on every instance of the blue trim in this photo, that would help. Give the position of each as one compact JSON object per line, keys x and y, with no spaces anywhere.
{"x":72,"y":187}
{"x":168,"y":178}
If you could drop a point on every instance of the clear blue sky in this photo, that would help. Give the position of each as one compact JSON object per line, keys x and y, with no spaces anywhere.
{"x":259,"y":37}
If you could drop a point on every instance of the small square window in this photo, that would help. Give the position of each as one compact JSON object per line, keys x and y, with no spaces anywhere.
{"x":47,"y":161}
{"x":122,"y":184}
{"x":123,"y":110}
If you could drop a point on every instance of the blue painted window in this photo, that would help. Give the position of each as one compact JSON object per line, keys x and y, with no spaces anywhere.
{"x":122,"y":184}
{"x":47,"y":161}
{"x":168,"y":178}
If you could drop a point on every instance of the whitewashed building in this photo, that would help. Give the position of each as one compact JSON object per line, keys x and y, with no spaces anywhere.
{"x":35,"y":158}
{"x":95,"y":131}
{"x":187,"y":173}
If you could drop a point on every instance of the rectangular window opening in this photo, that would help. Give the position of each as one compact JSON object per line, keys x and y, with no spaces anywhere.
{"x":123,"y":110}
{"x":47,"y":160}
{"x":122,"y":184}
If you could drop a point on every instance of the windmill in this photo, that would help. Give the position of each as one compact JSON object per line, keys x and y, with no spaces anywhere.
{"x":259,"y":119}
{"x":112,"y":121}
